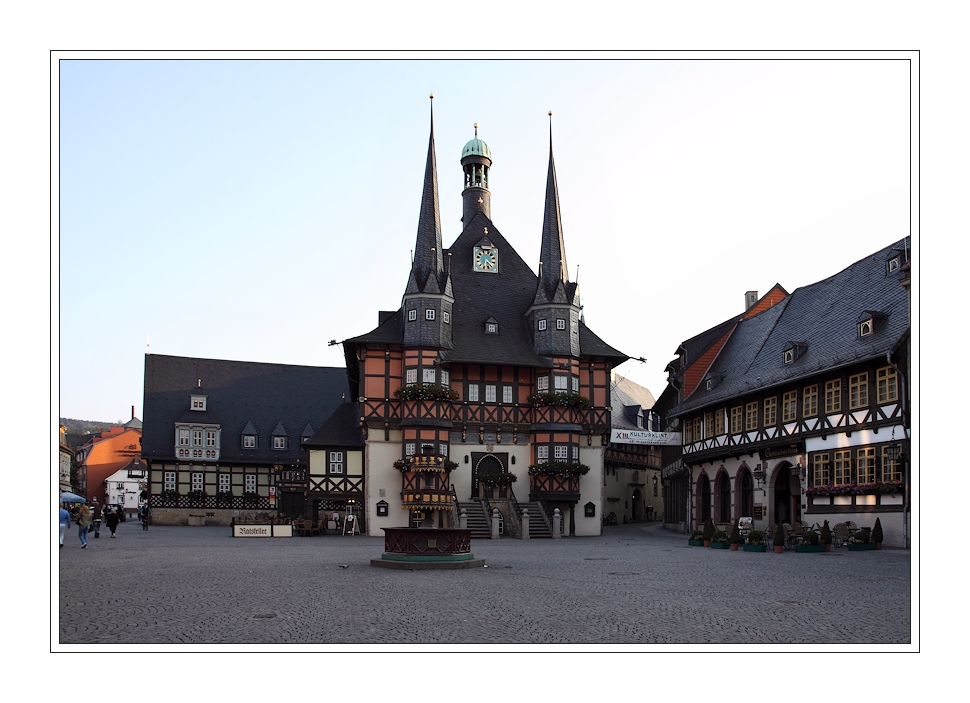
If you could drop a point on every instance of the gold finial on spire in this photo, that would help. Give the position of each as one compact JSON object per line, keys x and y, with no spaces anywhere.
{"x":476,"y":130}
{"x":431,"y":96}
{"x":550,"y":113}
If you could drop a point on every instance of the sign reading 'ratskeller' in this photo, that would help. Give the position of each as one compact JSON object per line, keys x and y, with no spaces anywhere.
{"x":668,"y":439}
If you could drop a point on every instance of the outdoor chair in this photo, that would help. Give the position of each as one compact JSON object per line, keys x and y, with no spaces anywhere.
{"x":840,"y":535}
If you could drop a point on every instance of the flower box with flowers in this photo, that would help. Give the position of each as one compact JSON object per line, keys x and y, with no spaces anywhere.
{"x":696,"y":538}
{"x":562,"y":399}
{"x":856,"y":489}
{"x":755,"y":541}
{"x":426,"y":391}
{"x":497,"y":479}
{"x":719,"y":540}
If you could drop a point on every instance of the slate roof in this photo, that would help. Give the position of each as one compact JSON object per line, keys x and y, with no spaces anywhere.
{"x":627,"y":400}
{"x":824,"y":315}
{"x":239,"y":392}
{"x":505,"y":296}
{"x":341,"y":429}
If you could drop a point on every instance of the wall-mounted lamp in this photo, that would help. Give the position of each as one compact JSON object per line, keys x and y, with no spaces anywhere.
{"x":798,"y":471}
{"x":655,"y":481}
{"x":759,"y":475}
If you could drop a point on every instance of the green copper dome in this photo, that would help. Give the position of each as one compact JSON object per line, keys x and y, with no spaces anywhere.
{"x":476,"y":147}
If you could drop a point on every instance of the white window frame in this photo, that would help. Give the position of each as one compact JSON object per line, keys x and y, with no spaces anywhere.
{"x":506,"y":394}
{"x":491,"y":328}
{"x":185,"y":437}
{"x":196,"y":438}
{"x":410,"y":376}
{"x":428,"y":375}
{"x":473,"y":392}
{"x":168,"y":481}
{"x":279,"y":442}
{"x":409,"y":449}
{"x":443,"y":449}
{"x":249,"y":483}
{"x":575,"y":382}
{"x":542,"y":325}
{"x":542,"y":453}
{"x":561,"y":451}
{"x":412,"y":314}
{"x":249,"y":441}
{"x":198,"y":481}
{"x":429,"y":314}
{"x":575,"y":453}
{"x":336,"y":462}
{"x":445,"y":378}
{"x":225,"y":483}
{"x":562,"y":383}
{"x":560,"y":323}
{"x":542,"y":383}
{"x":210,"y":438}
{"x":445,"y":317}
{"x":489,"y":392}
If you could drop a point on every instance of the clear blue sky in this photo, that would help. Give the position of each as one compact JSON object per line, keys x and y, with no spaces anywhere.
{"x":255,"y":209}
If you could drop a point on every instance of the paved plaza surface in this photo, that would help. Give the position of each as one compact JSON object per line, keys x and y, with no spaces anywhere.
{"x":634,"y":585}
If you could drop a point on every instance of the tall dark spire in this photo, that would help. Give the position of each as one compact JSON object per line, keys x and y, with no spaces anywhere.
{"x":428,"y":266}
{"x":552,"y":255}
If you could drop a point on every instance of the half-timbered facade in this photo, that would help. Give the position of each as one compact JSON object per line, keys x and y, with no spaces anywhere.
{"x":487,"y":368}
{"x":801,"y":412}
{"x":225,"y":438}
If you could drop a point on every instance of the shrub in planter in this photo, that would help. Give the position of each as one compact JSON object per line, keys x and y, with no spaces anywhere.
{"x":734,"y":534}
{"x":825,"y":536}
{"x":778,"y":538}
{"x":876,"y":534}
{"x":719,"y":536}
{"x":810,"y":537}
{"x":696,"y":538}
{"x":197,"y":495}
{"x":756,"y":537}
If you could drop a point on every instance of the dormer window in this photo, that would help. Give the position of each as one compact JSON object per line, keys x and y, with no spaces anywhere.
{"x":412,"y":315}
{"x":793,"y":351}
{"x":249,"y":441}
{"x":713,"y":380}
{"x":429,"y":314}
{"x":445,"y":317}
{"x":870,"y":322}
{"x":892,"y":265}
{"x":491,"y":326}
{"x":198,"y":402}
{"x":560,"y":324}
{"x":279,"y":442}
{"x":542,"y":325}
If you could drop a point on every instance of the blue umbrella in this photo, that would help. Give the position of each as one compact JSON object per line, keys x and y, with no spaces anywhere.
{"x":68,"y":497}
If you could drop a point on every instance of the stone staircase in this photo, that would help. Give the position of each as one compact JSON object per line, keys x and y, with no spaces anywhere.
{"x":478,"y":523}
{"x":538,"y":527}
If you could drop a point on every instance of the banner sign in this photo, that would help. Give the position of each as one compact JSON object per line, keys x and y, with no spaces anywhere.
{"x":666,"y":439}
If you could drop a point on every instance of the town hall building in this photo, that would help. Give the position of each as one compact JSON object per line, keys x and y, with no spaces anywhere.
{"x":486,"y":384}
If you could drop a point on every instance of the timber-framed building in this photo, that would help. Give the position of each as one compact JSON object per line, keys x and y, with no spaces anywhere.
{"x":800,"y":408}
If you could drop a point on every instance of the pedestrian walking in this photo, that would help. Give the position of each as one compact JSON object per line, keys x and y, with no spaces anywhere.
{"x":65,"y":522}
{"x":146,"y":515}
{"x":84,"y":520}
{"x":98,"y":515}
{"x":111,"y":520}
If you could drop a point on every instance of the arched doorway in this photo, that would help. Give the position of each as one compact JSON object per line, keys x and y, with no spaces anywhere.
{"x":636,"y":506}
{"x":723,"y":489}
{"x":703,"y":499}
{"x":488,"y":464}
{"x":745,"y":491}
{"x":787,"y":494}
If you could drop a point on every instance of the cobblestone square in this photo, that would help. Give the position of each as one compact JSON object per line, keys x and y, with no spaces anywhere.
{"x":636,"y":585}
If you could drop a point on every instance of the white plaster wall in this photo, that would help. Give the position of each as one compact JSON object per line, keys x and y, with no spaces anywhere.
{"x":591,"y":489}
{"x":379,"y":458}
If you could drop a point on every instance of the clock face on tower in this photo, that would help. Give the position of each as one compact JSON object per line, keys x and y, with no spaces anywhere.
{"x":485,"y":259}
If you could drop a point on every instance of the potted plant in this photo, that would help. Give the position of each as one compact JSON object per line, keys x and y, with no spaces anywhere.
{"x":876,"y":535}
{"x":224,"y":497}
{"x":734,"y":537}
{"x":825,"y":536}
{"x":778,"y":538}
{"x":719,"y":540}
{"x":708,"y":532}
{"x":810,"y":542}
{"x":250,"y":497}
{"x":756,"y":541}
{"x":859,"y":542}
{"x":696,"y":538}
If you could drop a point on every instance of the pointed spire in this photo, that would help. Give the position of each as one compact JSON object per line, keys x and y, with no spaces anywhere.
{"x":552,"y":255}
{"x":428,"y":254}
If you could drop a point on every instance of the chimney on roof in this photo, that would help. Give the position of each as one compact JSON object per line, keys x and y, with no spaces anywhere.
{"x":750,"y":298}
{"x":132,"y":412}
